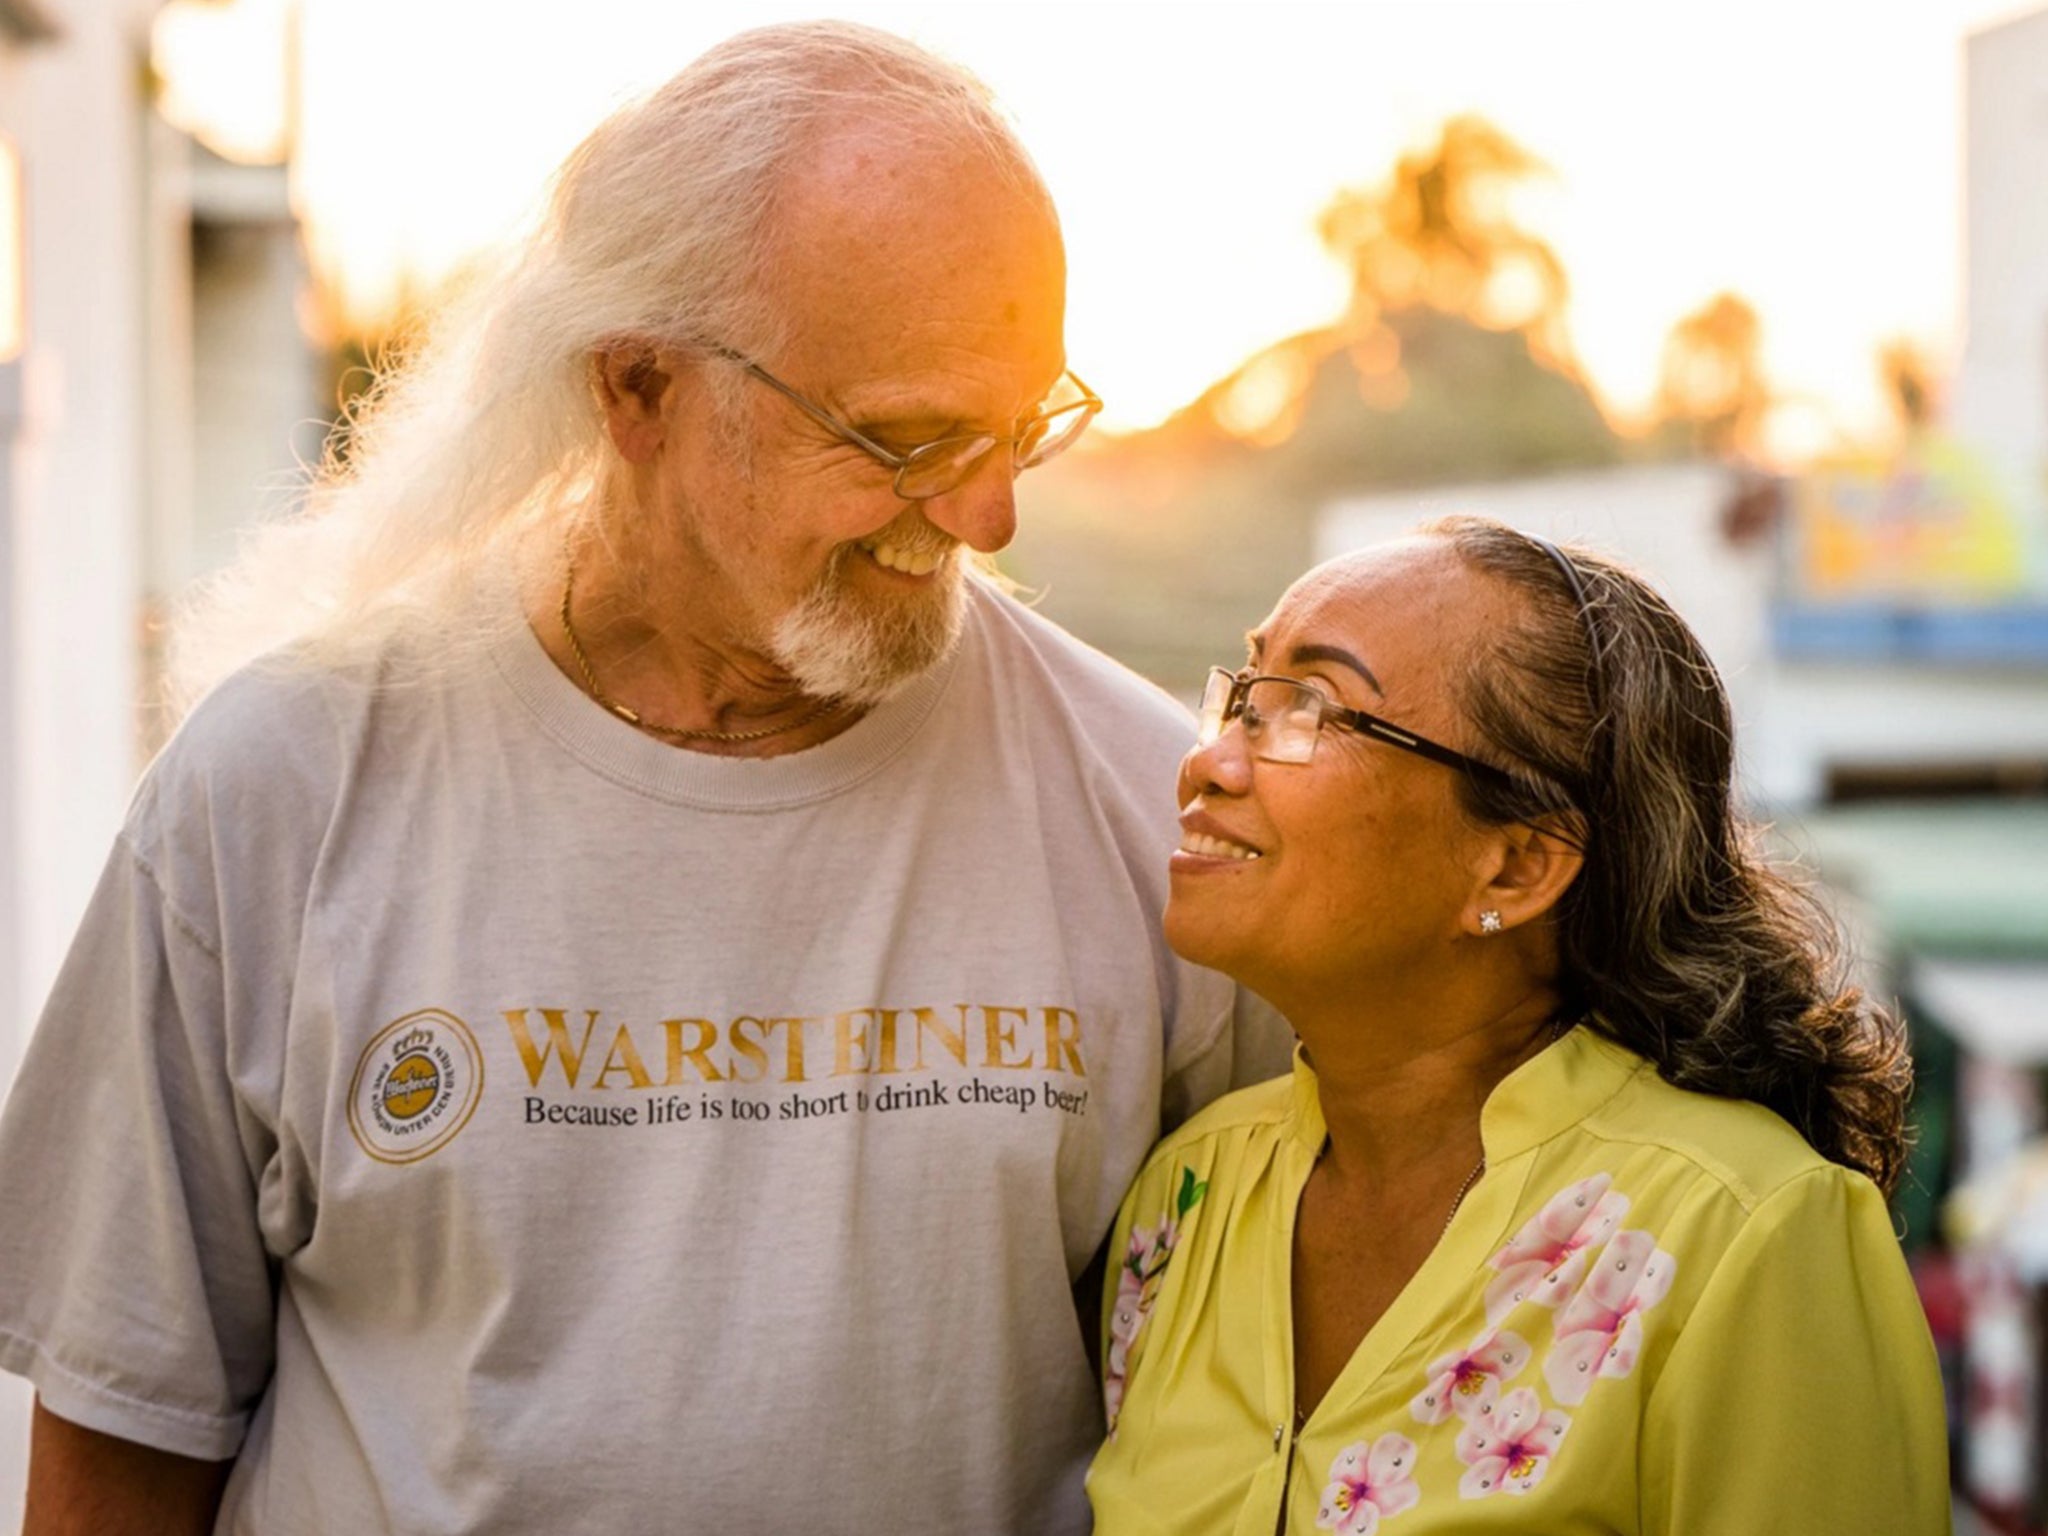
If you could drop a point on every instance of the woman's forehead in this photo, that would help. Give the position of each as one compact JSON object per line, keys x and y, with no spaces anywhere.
{"x":1377,"y":597}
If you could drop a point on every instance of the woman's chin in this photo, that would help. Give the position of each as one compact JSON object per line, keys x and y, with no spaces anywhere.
{"x":1198,"y":937}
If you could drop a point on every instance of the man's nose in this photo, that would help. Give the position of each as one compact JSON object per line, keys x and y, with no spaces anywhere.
{"x":981,"y":511}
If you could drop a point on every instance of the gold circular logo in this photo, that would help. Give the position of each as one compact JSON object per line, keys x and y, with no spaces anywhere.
{"x":411,"y":1086}
{"x":416,"y":1085}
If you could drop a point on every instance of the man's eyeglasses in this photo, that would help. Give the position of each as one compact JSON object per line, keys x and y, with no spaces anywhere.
{"x":1282,"y":719}
{"x":934,"y":468}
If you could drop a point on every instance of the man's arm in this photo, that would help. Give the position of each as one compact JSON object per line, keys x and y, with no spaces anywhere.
{"x":84,"y":1483}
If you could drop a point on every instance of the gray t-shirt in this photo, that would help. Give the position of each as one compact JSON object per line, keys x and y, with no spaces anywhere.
{"x":481,"y":1117}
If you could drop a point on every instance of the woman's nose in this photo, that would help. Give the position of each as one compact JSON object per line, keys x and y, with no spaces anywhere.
{"x":1222,"y":766}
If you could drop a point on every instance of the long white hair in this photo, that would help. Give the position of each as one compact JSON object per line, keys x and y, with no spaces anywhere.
{"x":483,"y":447}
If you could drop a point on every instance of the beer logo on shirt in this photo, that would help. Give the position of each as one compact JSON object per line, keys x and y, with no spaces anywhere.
{"x":415,"y":1087}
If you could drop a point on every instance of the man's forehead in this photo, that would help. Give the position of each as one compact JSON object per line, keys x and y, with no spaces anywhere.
{"x":884,"y":230}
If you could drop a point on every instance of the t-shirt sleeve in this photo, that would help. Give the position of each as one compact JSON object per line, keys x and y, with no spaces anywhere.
{"x":1803,"y":1394}
{"x":135,"y":1289}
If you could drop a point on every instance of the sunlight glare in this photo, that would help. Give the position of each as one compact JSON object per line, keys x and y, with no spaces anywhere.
{"x":1191,"y":149}
{"x":13,"y":296}
{"x":226,"y":75}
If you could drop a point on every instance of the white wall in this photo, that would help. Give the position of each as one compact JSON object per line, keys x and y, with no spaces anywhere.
{"x":2001,"y":393}
{"x":1793,"y":719}
{"x":1664,"y":520}
{"x":74,"y":108}
{"x":83,"y":494}
{"x":259,"y":390}
{"x":1879,"y":715}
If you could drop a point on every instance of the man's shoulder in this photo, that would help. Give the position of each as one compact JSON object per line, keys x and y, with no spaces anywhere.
{"x":288,"y":710}
{"x":287,"y":682}
{"x":269,"y":747}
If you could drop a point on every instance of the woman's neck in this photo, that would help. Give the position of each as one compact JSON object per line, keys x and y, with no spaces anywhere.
{"x":1402,"y":1089}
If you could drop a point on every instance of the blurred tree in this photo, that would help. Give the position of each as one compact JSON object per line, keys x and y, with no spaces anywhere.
{"x":1450,"y":363}
{"x":1711,"y":392}
{"x":1439,"y":234}
{"x":1909,"y":384}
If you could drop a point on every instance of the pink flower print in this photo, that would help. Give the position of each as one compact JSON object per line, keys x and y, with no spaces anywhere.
{"x":1137,"y":1288}
{"x":1468,"y":1383}
{"x":1600,"y":1332}
{"x":1368,"y":1484}
{"x":1546,"y":1258}
{"x":1509,"y":1446}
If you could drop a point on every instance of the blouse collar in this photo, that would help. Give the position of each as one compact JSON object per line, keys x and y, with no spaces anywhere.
{"x":1549,"y":1093}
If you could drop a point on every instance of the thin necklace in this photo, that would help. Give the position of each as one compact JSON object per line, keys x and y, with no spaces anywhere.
{"x":1558,"y":1028}
{"x":1464,"y":1189}
{"x":1458,"y":1199}
{"x":671,"y":732}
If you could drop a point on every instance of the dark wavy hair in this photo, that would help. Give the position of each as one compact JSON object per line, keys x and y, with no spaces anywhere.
{"x":1678,"y":939}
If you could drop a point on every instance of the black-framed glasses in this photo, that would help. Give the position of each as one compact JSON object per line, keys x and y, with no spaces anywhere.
{"x":1282,"y":719}
{"x":934,"y":468}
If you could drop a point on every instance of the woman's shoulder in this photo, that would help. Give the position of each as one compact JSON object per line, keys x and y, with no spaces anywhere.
{"x":1245,"y":1124}
{"x":1260,"y":1110}
{"x":1746,"y":1150}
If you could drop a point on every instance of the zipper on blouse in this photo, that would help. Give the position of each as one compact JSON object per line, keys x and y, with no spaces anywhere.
{"x":1286,"y":1478}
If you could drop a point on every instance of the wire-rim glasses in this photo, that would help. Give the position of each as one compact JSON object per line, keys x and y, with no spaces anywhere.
{"x":1282,"y":719}
{"x":934,"y":468}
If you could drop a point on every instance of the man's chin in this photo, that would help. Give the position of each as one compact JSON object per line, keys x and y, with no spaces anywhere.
{"x":865,"y":648}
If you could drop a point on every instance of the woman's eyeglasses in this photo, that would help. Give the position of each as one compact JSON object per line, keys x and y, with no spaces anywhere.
{"x":1282,"y":719}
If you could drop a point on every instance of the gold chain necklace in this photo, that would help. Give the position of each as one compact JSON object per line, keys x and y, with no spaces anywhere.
{"x":671,"y":732}
{"x":1458,"y":1199}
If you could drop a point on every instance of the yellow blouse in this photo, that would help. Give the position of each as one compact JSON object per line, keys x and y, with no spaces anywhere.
{"x":1656,"y":1312}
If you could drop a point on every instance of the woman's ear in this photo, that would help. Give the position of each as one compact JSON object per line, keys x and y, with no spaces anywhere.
{"x":631,"y":386}
{"x":1533,"y":865}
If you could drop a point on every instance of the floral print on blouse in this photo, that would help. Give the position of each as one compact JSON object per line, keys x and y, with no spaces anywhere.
{"x":1506,"y":1439}
{"x":1137,"y":1287}
{"x":1647,"y":1288}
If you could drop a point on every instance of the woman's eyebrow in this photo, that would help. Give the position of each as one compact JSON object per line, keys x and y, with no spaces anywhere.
{"x":1303,"y":655}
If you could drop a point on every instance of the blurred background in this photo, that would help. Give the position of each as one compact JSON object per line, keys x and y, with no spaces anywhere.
{"x":1753,"y":294}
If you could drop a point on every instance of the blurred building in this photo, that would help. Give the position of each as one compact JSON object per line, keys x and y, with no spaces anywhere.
{"x":153,"y":373}
{"x":158,"y":391}
{"x":77,"y":205}
{"x":2001,"y":395}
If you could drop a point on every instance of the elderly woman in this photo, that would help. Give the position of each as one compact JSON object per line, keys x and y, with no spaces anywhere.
{"x":1572,"y":1216}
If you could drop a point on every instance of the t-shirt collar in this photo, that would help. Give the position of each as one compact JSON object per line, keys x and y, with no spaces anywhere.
{"x":625,"y":755}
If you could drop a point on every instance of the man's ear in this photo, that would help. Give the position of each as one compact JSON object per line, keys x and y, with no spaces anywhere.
{"x":1533,"y":865}
{"x":631,"y":385}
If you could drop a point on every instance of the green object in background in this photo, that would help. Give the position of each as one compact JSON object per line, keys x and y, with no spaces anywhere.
{"x":1935,"y":880}
{"x":1943,"y":877}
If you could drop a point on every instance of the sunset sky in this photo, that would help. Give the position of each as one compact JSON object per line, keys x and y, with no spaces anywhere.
{"x":1805,"y":153}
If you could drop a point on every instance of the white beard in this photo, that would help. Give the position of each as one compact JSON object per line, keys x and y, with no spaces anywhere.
{"x":839,"y":644}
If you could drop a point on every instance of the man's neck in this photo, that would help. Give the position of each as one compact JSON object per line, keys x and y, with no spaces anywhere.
{"x":681,"y":680}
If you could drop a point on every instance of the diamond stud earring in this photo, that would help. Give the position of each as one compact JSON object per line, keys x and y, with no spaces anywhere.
{"x":1489,"y":921}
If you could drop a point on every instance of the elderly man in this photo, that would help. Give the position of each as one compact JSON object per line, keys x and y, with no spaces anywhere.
{"x":637,"y":1015}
